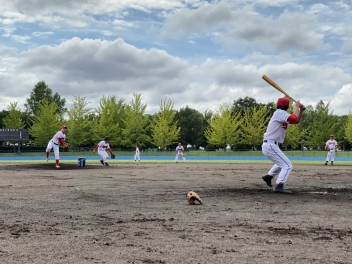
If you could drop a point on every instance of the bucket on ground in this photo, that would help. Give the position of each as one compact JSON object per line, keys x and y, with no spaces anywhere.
{"x":81,"y":162}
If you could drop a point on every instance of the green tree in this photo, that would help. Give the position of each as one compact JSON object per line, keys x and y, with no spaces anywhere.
{"x":321,"y":125}
{"x":244,"y":104}
{"x":109,"y":122}
{"x":294,"y":137}
{"x":348,"y":128}
{"x":41,"y":92}
{"x":165,"y":129}
{"x":224,"y":128}
{"x":46,"y":123}
{"x":135,"y":123}
{"x":14,"y":117}
{"x":192,"y":126}
{"x":254,"y":123}
{"x":79,"y":124}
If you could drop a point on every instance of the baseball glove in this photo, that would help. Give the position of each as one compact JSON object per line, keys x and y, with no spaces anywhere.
{"x":192,"y":197}
{"x":112,"y":156}
{"x":66,"y":145}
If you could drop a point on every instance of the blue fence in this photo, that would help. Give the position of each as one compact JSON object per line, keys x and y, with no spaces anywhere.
{"x":172,"y":158}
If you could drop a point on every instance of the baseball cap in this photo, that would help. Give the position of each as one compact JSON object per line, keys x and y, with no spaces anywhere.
{"x":63,"y":126}
{"x":283,"y":102}
{"x":331,"y":135}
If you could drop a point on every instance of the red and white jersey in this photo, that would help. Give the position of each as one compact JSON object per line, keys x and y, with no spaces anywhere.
{"x":331,"y":144}
{"x":59,"y":138}
{"x":180,"y":150}
{"x":102,"y":146}
{"x":276,"y":130}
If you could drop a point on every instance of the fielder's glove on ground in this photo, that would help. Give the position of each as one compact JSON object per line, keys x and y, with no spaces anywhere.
{"x":192,"y":197}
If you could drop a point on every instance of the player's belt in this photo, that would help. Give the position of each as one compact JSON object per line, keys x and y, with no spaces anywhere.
{"x":270,"y":141}
{"x":55,"y":143}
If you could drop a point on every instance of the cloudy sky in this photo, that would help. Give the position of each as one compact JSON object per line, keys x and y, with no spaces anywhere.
{"x":196,"y":52}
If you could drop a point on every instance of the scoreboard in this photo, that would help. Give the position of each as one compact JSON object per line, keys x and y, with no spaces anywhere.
{"x":13,"y":134}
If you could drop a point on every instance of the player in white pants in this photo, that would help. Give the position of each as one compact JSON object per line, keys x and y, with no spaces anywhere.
{"x":180,"y":151}
{"x":102,"y":147}
{"x":137,"y":155}
{"x":275,"y":134}
{"x":331,"y":147}
{"x":54,"y":143}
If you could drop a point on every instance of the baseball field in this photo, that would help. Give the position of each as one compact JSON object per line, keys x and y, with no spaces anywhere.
{"x":129,"y":213}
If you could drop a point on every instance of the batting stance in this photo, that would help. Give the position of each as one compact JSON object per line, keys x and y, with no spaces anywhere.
{"x":331,"y":147}
{"x":275,"y":134}
{"x":102,"y":147}
{"x":54,"y":143}
{"x":180,"y":151}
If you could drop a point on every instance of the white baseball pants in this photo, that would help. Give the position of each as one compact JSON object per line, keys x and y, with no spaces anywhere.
{"x":331,"y":155}
{"x":56,"y":148}
{"x":282,"y":166}
{"x":103,"y":154}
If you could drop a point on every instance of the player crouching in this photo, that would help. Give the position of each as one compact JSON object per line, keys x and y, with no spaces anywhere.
{"x":102,"y":147}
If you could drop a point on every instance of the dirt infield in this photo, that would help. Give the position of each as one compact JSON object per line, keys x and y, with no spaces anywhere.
{"x":132,"y":213}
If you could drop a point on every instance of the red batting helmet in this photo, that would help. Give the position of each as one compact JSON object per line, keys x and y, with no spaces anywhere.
{"x":283,"y":102}
{"x":63,"y":126}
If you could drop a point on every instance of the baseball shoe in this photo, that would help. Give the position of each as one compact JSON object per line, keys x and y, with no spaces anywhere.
{"x":267,"y":179}
{"x":326,"y":163}
{"x":279,"y":188}
{"x":57,"y":166}
{"x":106,"y":164}
{"x":102,"y":162}
{"x":332,"y":163}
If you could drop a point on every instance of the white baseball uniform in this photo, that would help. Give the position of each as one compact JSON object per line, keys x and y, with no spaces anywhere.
{"x":54,"y":143}
{"x":102,"y":147}
{"x":331,"y":146}
{"x":137,"y":155}
{"x":180,"y":151}
{"x":275,"y":134}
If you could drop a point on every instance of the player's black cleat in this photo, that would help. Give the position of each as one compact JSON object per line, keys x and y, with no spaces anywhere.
{"x":279,"y":188}
{"x":267,"y":179}
{"x":102,"y":162}
{"x":106,"y":164}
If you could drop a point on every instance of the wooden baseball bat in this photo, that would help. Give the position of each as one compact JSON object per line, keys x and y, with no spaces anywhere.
{"x":277,"y":87}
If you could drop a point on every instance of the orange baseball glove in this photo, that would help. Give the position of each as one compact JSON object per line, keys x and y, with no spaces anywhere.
{"x":192,"y":197}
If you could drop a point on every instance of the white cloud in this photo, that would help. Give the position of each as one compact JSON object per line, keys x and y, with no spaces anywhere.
{"x":197,"y":53}
{"x":340,"y":103}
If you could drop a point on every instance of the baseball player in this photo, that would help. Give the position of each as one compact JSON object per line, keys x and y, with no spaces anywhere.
{"x":180,"y":151}
{"x":331,"y":147}
{"x":275,"y":134}
{"x":102,"y":147}
{"x":137,"y":155}
{"x":54,"y":143}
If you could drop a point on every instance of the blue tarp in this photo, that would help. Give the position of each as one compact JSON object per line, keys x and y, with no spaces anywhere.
{"x":171,"y":158}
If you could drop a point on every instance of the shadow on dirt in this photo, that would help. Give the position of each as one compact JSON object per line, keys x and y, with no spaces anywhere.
{"x":50,"y":166}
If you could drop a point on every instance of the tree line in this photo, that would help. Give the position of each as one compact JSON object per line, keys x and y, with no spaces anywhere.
{"x":240,"y":125}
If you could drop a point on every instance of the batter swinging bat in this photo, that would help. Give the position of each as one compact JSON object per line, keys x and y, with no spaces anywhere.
{"x":277,"y":87}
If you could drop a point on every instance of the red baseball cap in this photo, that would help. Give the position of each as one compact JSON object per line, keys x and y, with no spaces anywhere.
{"x":331,"y":135}
{"x":283,"y":102}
